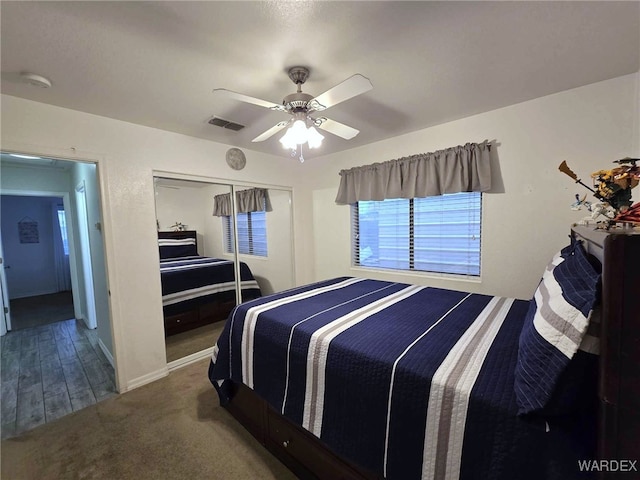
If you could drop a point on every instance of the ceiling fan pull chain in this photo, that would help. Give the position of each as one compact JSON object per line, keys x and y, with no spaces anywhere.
{"x":294,"y":152}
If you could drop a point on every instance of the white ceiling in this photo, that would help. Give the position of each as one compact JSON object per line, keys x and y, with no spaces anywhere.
{"x":156,"y":63}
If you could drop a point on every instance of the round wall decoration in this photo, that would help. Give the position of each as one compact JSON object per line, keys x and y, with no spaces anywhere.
{"x":236,"y":158}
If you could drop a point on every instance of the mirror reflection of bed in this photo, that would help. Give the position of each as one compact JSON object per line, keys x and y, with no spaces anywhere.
{"x":197,"y":291}
{"x":198,"y":260}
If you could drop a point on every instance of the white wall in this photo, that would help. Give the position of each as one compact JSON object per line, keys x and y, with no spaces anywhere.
{"x":191,"y":203}
{"x":30,"y":267}
{"x":278,"y":272}
{"x":127,"y":156}
{"x":181,"y":204}
{"x":527,"y":217}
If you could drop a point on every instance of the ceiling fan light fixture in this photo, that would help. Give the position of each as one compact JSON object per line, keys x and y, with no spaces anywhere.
{"x":299,"y":134}
{"x":314,"y":138}
{"x":287,"y":141}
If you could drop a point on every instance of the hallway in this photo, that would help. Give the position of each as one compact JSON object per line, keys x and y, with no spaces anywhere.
{"x":49,"y":371}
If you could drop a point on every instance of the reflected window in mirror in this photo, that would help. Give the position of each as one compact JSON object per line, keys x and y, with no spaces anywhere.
{"x":252,"y":234}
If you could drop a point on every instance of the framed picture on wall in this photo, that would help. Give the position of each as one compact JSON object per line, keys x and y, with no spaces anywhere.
{"x":28,"y":231}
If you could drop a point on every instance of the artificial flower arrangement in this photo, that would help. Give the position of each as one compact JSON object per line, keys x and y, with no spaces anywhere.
{"x":178,"y":227}
{"x":613,"y":189}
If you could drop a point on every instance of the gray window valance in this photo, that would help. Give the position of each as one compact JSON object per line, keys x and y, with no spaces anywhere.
{"x":465,"y":168}
{"x":251,"y":200}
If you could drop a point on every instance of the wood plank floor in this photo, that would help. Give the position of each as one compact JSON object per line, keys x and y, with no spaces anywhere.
{"x":50,"y":371}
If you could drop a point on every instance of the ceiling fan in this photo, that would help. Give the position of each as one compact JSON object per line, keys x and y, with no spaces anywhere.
{"x":301,"y":106}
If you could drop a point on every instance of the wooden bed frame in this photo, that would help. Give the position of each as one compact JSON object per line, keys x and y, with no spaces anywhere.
{"x":206,"y":314}
{"x":619,"y":385}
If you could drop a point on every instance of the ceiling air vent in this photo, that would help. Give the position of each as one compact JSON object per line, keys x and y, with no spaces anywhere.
{"x":219,"y":122}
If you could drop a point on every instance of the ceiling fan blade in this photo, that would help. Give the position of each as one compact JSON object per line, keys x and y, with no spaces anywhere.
{"x":247,"y":99}
{"x":272,"y":131}
{"x":337,"y":128}
{"x":352,"y":86}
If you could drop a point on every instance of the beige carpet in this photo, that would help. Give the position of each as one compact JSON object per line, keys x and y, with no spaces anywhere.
{"x":170,"y":429}
{"x":186,"y":343}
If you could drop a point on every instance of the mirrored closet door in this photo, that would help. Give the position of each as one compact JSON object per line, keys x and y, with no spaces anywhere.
{"x":265,"y":239}
{"x":210,"y":235}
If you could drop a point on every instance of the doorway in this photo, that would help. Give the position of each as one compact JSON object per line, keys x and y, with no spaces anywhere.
{"x":52,"y":368}
{"x":36,"y":260}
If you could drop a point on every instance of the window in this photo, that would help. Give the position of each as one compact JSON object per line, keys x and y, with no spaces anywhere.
{"x":252,"y":233}
{"x":433,"y":234}
{"x":62,"y":223}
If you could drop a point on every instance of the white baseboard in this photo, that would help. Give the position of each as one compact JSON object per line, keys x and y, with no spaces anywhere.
{"x":163,"y":372}
{"x":189,"y":359}
{"x":148,"y":378}
{"x":36,"y":293}
{"x":107,"y":353}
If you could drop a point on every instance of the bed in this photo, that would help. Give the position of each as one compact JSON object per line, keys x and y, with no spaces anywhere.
{"x":197,"y":290}
{"x":359,"y":378}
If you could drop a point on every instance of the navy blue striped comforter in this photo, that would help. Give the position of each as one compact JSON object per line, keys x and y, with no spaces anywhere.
{"x":406,"y":381}
{"x":188,"y":282}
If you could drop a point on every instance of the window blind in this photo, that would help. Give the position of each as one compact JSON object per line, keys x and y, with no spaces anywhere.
{"x":434,"y":234}
{"x":252,"y":233}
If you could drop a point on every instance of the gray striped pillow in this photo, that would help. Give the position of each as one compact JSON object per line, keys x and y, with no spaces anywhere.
{"x":177,"y":247}
{"x":555,"y":326}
